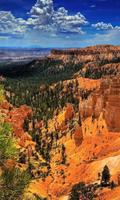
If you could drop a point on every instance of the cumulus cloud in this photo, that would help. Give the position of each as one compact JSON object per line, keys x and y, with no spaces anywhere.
{"x":42,"y":8}
{"x":43,"y":17}
{"x":10,"y":24}
{"x":47,"y":18}
{"x":105,"y":26}
{"x":47,"y":24}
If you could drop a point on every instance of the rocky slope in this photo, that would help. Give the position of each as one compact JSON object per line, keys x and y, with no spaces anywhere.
{"x":88,"y":147}
{"x":80,"y":138}
{"x":89,"y":141}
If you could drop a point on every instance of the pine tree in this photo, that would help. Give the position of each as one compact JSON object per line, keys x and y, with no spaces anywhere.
{"x":105,"y":176}
{"x":12,"y":184}
{"x":7,"y":143}
{"x":12,"y":179}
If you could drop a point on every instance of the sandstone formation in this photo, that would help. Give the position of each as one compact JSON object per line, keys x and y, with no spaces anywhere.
{"x":89,"y":54}
{"x":81,"y":137}
{"x":112,"y":110}
{"x":78,"y":136}
{"x":105,"y":100}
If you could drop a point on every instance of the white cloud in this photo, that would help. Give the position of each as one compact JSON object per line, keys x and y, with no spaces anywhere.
{"x":93,"y":6}
{"x":105,"y":26}
{"x":9,"y":24}
{"x":109,"y":37}
{"x":42,"y":8}
{"x":47,"y":18}
{"x":46,"y":25}
{"x":43,"y":18}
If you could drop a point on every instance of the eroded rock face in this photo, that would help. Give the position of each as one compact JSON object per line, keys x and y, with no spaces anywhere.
{"x":16,"y":118}
{"x":69,"y":112}
{"x":106,"y":100}
{"x":112,"y":110}
{"x":92,"y":106}
{"x":86,"y":107}
{"x":89,"y":54}
{"x":78,"y":136}
{"x":87,"y":50}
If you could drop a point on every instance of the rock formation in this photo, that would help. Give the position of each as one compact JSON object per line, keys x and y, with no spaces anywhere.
{"x":82,"y":136}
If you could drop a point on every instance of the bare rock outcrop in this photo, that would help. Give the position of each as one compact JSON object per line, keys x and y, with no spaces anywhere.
{"x":112,"y":110}
{"x":16,"y":118}
{"x":78,"y":136}
{"x":106,"y":100}
{"x":89,"y":54}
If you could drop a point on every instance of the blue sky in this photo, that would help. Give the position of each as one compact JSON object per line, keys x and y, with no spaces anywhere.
{"x":59,"y":23}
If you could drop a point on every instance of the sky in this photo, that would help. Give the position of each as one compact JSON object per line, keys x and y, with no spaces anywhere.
{"x":59,"y":23}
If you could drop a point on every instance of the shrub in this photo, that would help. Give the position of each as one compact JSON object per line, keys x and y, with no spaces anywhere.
{"x":83,"y":192}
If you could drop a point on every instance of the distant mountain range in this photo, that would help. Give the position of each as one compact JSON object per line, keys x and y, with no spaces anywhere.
{"x":21,"y":54}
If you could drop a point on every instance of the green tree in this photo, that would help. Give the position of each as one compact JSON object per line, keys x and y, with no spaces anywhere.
{"x":63,"y":155}
{"x":2,"y":96}
{"x":12,"y":180}
{"x":39,"y":198}
{"x":105,"y":175}
{"x":81,"y":191}
{"x":13,"y":183}
{"x":7,"y":143}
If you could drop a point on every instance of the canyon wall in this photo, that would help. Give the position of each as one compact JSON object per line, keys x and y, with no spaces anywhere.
{"x":106,"y":100}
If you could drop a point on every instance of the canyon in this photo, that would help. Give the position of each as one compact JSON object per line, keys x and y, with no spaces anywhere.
{"x":82,"y":135}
